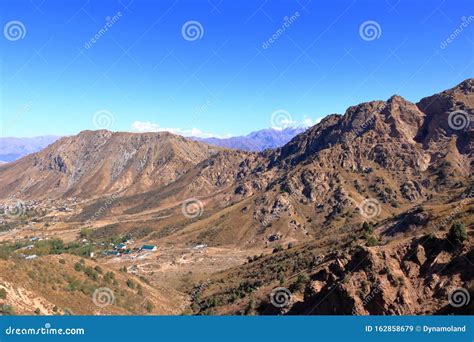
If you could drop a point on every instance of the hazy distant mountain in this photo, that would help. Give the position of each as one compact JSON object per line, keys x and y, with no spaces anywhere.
{"x":256,"y":141}
{"x":12,"y":149}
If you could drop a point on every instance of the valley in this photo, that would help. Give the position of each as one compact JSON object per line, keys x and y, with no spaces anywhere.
{"x":369,"y":212}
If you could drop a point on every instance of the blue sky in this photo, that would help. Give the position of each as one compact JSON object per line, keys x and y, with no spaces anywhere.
{"x":143,"y":73}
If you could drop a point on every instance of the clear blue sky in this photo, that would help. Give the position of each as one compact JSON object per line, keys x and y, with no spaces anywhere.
{"x":143,"y":70}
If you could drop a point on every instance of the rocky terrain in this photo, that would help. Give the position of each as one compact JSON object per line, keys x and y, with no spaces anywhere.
{"x":369,"y":212}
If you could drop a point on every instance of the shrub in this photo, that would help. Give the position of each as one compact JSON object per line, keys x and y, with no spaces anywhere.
{"x":3,"y":294}
{"x":6,"y":310}
{"x":109,"y":276}
{"x":367,"y":228}
{"x":371,"y":241}
{"x":85,"y":233}
{"x":149,"y":306}
{"x":91,"y":273}
{"x":78,"y":266}
{"x":130,"y":283}
{"x":281,"y":279}
{"x":457,"y":233}
{"x":299,"y":283}
{"x":277,"y":249}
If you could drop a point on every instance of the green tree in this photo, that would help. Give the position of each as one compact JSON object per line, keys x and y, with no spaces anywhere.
{"x":371,"y":241}
{"x":6,"y":310}
{"x":85,"y":233}
{"x":367,"y":227}
{"x":130,"y":283}
{"x":457,"y":233}
{"x":301,"y":281}
{"x":149,"y":306}
{"x":277,"y":249}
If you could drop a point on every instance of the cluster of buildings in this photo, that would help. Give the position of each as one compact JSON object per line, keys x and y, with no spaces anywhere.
{"x":125,"y":248}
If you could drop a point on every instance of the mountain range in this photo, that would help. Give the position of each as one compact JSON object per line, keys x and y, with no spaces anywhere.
{"x":361,"y":205}
{"x":12,"y":149}
{"x":256,"y":141}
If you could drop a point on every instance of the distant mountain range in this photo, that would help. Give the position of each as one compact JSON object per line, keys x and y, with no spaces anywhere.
{"x":256,"y":141}
{"x":12,"y":149}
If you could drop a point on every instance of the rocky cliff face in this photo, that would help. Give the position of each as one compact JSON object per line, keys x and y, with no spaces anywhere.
{"x":407,"y":278}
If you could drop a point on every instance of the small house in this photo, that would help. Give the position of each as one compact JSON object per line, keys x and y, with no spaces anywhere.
{"x":121,"y":246}
{"x":149,"y":248}
{"x":112,"y":253}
